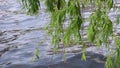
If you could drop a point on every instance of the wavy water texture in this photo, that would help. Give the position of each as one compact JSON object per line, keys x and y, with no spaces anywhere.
{"x":21,"y":33}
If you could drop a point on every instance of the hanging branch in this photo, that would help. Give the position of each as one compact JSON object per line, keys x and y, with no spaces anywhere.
{"x":99,"y":31}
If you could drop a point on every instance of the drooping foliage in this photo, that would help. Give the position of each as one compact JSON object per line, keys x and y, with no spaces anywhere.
{"x":32,"y":6}
{"x":67,"y":24}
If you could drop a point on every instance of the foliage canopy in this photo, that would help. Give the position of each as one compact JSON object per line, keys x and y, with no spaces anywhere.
{"x":67,"y":24}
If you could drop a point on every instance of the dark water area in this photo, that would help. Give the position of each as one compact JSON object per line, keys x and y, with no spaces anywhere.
{"x":93,"y":61}
{"x":20,"y":34}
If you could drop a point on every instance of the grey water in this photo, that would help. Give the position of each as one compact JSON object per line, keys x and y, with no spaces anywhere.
{"x":20,"y":34}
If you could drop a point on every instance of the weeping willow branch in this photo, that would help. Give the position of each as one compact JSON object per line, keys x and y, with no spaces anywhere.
{"x":32,"y":6}
{"x":99,"y":31}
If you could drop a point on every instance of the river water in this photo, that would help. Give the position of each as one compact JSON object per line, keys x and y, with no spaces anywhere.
{"x":21,"y":33}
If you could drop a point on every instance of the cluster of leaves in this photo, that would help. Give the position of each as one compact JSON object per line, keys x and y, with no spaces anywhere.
{"x":32,"y":6}
{"x":67,"y":21}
